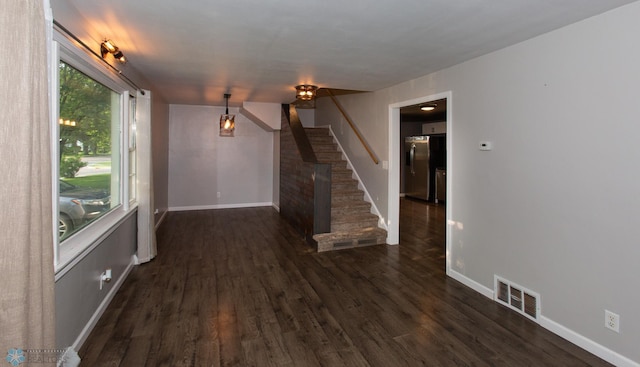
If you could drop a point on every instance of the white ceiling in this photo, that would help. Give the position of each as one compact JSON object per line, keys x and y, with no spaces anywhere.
{"x":193,"y":51}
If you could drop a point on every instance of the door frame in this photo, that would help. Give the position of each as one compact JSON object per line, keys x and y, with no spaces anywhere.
{"x":393,"y":220}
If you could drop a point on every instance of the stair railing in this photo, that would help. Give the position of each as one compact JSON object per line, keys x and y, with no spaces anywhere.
{"x":320,"y":174}
{"x":364,"y":143}
{"x":300,"y":136}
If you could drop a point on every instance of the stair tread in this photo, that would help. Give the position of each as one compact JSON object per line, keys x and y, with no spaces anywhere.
{"x":356,"y":233}
{"x":351,"y":203}
{"x":354,"y":217}
{"x":344,"y":177}
{"x":347,"y":190}
{"x":317,"y":130}
{"x":342,"y":193}
{"x":359,"y":232}
{"x":352,"y":223}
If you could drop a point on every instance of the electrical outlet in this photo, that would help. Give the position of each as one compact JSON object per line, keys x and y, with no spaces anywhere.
{"x":105,"y":277}
{"x":218,"y":194}
{"x":612,"y":321}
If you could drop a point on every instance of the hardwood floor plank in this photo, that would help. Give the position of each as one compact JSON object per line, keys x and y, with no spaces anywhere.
{"x":137,"y":352}
{"x":239,"y":287}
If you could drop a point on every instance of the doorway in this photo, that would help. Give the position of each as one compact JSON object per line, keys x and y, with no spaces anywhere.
{"x":395,"y":166}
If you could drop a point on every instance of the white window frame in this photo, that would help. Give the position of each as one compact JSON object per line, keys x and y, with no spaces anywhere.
{"x":80,"y":243}
{"x":132,"y":137}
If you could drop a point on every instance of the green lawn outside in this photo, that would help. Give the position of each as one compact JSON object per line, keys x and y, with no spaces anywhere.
{"x":102,"y":181}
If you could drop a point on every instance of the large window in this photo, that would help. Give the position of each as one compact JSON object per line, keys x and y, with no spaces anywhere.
{"x":94,"y":170}
{"x":88,"y":149}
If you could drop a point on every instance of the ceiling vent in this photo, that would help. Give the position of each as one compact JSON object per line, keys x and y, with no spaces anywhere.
{"x":517,"y":297}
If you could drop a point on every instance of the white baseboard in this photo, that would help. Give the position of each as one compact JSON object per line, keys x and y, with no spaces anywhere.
{"x":587,"y":344}
{"x":276,"y":207}
{"x":162,"y":218}
{"x":560,"y":330}
{"x":218,"y":206}
{"x":487,"y":292}
{"x":77,"y":344}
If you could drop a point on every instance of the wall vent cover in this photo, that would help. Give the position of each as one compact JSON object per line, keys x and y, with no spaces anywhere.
{"x":517,"y":297}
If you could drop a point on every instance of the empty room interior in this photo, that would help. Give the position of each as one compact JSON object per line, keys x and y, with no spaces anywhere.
{"x":281,"y":183}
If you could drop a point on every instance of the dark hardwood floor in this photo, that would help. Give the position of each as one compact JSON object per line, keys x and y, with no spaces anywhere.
{"x":239,"y":287}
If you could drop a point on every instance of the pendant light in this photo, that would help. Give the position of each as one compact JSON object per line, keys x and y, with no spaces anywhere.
{"x":227,"y":122}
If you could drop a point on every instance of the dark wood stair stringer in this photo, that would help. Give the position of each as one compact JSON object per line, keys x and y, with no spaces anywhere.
{"x":352,"y":223}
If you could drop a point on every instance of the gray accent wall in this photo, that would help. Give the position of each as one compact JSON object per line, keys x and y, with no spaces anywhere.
{"x":555,"y":205}
{"x":78,"y":294}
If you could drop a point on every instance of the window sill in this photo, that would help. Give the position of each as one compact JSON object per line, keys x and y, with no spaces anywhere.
{"x":78,"y":246}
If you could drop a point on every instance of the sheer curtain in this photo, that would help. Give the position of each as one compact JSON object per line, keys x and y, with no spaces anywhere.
{"x":26,"y":260}
{"x":147,"y":248}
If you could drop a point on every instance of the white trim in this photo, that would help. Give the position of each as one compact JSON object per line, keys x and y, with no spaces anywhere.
{"x":162,"y":218}
{"x":54,"y":93}
{"x":393,"y":186}
{"x":75,"y":248}
{"x":84,"y":334}
{"x":487,"y":292}
{"x":587,"y":344}
{"x":556,"y":328}
{"x":361,"y":186}
{"x":218,"y":206}
{"x":450,"y":175}
{"x":276,"y":207}
{"x":108,"y":226}
{"x":393,"y":214}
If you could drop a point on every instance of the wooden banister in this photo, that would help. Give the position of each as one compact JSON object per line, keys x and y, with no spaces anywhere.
{"x":300,"y":137}
{"x":308,"y":202}
{"x":353,"y":127}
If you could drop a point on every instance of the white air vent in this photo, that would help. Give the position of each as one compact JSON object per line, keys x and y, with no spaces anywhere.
{"x":517,"y":297}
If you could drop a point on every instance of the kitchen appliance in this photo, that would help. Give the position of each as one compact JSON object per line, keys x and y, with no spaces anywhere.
{"x":425,"y":159}
{"x":417,"y":167}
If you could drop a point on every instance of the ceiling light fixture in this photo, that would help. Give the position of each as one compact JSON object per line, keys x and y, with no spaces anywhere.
{"x":428,"y":107}
{"x":108,"y":47}
{"x":306,"y":92}
{"x":227,"y":122}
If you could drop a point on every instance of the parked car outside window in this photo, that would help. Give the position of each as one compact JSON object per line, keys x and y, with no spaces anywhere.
{"x":78,"y":206}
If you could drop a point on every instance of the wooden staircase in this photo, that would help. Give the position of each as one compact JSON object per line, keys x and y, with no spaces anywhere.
{"x":352,"y":223}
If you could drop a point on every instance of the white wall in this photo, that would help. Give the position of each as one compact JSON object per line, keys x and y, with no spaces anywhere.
{"x":307,"y":117}
{"x":201,"y":163}
{"x":555,"y":205}
{"x":160,"y":152}
{"x":276,"y":170}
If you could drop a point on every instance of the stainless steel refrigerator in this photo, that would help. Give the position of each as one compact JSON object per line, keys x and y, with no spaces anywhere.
{"x":417,"y":170}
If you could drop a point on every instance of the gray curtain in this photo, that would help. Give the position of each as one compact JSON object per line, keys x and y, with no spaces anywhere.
{"x":26,"y":261}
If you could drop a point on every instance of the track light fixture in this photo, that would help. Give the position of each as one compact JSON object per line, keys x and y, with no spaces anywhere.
{"x":227,"y":121}
{"x":108,"y":47}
